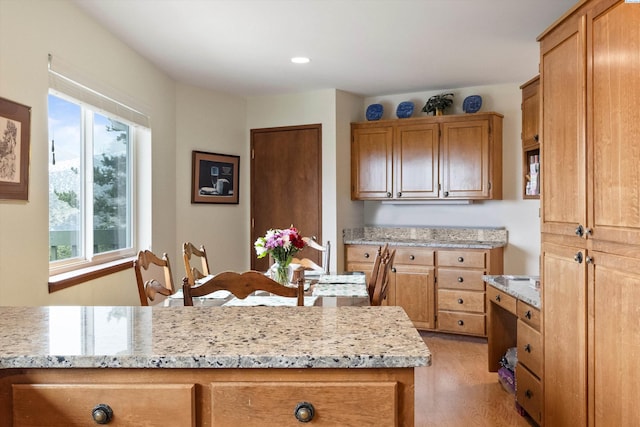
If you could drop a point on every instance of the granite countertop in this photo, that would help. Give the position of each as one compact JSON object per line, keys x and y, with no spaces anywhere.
{"x":435,"y":237}
{"x":209,"y":337}
{"x":517,"y":286}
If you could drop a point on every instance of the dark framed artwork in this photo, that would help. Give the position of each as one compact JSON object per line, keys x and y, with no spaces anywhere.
{"x":15,"y":125}
{"x":214,"y":178}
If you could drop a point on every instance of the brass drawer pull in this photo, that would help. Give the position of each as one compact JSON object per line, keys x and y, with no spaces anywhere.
{"x":304,"y":412}
{"x":102,"y":413}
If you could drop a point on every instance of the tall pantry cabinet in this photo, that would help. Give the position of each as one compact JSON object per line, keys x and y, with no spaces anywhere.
{"x":590,"y":261}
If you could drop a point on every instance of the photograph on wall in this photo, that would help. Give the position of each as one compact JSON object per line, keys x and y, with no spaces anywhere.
{"x":15,"y":122}
{"x":215,"y":178}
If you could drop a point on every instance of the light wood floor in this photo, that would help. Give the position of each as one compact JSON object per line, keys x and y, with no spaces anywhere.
{"x":457,"y":390}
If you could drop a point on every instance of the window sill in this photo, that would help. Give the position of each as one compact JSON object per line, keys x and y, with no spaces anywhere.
{"x":76,"y":277}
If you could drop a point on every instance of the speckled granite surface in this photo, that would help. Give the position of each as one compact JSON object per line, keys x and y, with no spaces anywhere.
{"x":209,"y":337}
{"x":516,"y":286}
{"x":443,"y":237}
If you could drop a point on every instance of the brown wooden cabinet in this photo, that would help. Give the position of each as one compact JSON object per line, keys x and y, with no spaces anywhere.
{"x":531,"y":138}
{"x":439,"y":157}
{"x":590,"y":215}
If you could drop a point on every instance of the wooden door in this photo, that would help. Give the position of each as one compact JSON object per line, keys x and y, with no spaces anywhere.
{"x":563,"y":163}
{"x":465,"y":159}
{"x":416,"y":161}
{"x":286,"y":184}
{"x":564,"y":299}
{"x":414,"y":292}
{"x":614,"y":288}
{"x":371,"y":162}
{"x":613,"y":119}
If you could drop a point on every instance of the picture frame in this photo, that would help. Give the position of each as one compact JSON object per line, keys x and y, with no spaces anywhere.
{"x":15,"y":131}
{"x":215,"y":178}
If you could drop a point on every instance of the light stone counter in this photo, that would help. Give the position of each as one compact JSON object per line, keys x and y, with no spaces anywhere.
{"x":435,"y":237}
{"x":209,"y":337}
{"x":517,"y":286}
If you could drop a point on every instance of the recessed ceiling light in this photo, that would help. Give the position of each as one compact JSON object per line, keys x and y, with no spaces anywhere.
{"x":300,"y":60}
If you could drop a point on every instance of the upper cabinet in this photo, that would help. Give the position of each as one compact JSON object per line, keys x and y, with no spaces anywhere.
{"x":436,"y":157}
{"x":531,"y":138}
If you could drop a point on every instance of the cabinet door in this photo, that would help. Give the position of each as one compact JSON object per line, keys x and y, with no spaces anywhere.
{"x":371,"y":163}
{"x":465,"y":160}
{"x":615,"y":124}
{"x":414,"y":291}
{"x":564,"y":335}
{"x":563,"y":164}
{"x":416,"y":161}
{"x":614,"y":283}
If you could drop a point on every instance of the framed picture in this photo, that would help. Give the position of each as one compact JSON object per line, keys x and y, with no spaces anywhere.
{"x":15,"y":125}
{"x":214,"y":178}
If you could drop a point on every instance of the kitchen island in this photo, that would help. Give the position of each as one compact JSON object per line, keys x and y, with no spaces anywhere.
{"x":204,"y":366}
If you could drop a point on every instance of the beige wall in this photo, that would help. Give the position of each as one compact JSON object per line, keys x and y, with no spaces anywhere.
{"x":29,"y":31}
{"x":520,"y":217}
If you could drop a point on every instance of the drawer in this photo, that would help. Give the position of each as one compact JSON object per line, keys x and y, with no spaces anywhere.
{"x":132,"y":404}
{"x":530,"y":315}
{"x":413,"y":255}
{"x":461,"y":323}
{"x":274,"y":403}
{"x":361,"y":253}
{"x":460,"y":279}
{"x":530,"y":348}
{"x":529,"y":393}
{"x":501,"y":299}
{"x":454,"y":300}
{"x":462,"y":258}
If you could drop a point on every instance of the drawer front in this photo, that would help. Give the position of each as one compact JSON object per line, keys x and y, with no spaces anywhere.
{"x":413,"y":255}
{"x":530,"y":315}
{"x":334,"y":403}
{"x":465,"y":258}
{"x":460,"y":279}
{"x":529,"y":393}
{"x":462,"y":323}
{"x":530,"y":348}
{"x":132,"y":404}
{"x":499,"y":298}
{"x":453,"y":300}
{"x":361,"y":253}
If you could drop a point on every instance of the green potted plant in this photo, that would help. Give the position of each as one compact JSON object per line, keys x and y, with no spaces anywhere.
{"x":438,"y":103}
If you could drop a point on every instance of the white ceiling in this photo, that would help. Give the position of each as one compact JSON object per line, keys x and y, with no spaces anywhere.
{"x":367,"y":47}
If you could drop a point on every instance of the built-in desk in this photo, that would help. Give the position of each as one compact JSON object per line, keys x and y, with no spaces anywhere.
{"x":513,"y":309}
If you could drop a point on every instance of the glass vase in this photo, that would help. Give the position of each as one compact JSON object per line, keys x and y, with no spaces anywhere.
{"x":280,"y":271}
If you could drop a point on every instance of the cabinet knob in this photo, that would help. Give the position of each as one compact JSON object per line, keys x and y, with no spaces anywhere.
{"x":588,"y":260}
{"x":588,"y":232}
{"x":411,"y":257}
{"x":460,"y":301}
{"x":460,"y":322}
{"x":578,"y":258}
{"x":366,"y":254}
{"x":393,"y":269}
{"x":388,"y":195}
{"x":579,"y":230}
{"x":527,"y":348}
{"x":304,"y":412}
{"x":536,"y":137}
{"x":399,"y":193}
{"x":460,"y":279}
{"x":528,"y":314}
{"x":528,"y":394}
{"x":460,"y":259}
{"x":446,"y":194}
{"x":498,"y":298}
{"x":102,"y":413}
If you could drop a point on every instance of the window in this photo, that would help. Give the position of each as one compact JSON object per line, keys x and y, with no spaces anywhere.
{"x":90,"y":185}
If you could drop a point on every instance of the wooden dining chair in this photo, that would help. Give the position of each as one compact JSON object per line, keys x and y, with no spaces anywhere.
{"x":196,"y":272}
{"x":371,"y":284}
{"x":241,"y":285}
{"x":383,"y":277}
{"x":153,"y":276}
{"x":310,"y":265}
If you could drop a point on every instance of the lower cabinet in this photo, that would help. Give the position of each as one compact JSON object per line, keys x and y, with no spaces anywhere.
{"x":439,"y":289}
{"x":206,"y":397}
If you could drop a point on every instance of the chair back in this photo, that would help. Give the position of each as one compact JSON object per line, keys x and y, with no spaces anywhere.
{"x":195,"y":270}
{"x":153,"y":276}
{"x":371,"y":284}
{"x":326,"y":256}
{"x":241,"y":285}
{"x":383,"y":277}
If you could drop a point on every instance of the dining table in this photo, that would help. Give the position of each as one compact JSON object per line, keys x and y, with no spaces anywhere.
{"x":327,"y":290}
